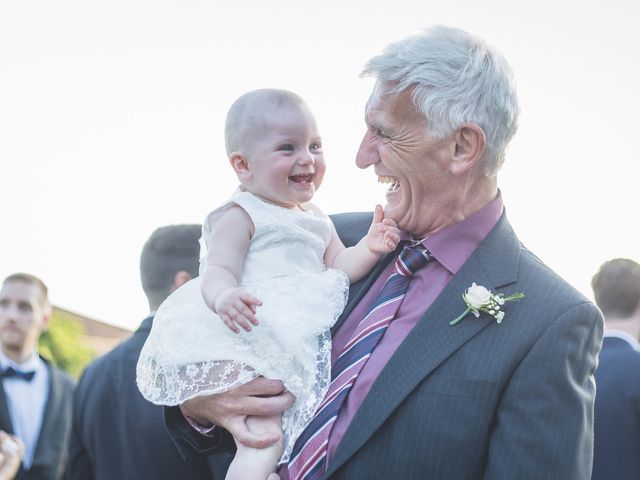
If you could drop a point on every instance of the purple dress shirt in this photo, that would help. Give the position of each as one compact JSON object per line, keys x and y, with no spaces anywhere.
{"x":451,"y":247}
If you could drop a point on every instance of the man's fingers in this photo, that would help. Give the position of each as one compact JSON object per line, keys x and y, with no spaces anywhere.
{"x":262,"y":387}
{"x":238,"y":428}
{"x":268,"y":406}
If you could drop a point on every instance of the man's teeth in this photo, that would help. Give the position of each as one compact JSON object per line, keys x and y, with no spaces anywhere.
{"x":393,"y":181}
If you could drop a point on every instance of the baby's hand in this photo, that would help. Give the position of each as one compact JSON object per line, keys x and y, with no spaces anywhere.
{"x":236,"y":306}
{"x":383,"y":235}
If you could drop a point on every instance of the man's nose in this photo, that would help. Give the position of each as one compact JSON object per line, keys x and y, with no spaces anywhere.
{"x":367,"y":154}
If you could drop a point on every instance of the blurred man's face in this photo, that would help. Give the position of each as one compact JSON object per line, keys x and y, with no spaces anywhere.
{"x":23,"y":317}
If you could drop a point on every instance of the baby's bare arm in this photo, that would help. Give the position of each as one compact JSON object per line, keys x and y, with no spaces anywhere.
{"x":228,"y":246}
{"x":357,"y":261}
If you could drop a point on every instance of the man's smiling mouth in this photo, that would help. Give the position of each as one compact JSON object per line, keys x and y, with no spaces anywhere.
{"x":393,"y":181}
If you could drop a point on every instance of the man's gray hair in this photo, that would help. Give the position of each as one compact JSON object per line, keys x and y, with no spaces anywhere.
{"x":456,"y":79}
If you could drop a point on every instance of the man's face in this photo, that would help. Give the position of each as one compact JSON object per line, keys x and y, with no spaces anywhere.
{"x":22,"y":316}
{"x":415,"y":164}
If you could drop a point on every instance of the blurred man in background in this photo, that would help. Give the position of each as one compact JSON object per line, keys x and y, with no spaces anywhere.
{"x":35,"y":397}
{"x":116,"y":433}
{"x":617,"y":410}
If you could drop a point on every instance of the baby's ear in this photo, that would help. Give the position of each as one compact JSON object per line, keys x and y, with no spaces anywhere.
{"x":240,"y":164}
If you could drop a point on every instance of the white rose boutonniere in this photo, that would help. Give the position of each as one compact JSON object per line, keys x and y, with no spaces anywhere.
{"x":479,"y":299}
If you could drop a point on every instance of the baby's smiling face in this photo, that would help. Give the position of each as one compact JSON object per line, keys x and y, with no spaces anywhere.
{"x":284,"y":163}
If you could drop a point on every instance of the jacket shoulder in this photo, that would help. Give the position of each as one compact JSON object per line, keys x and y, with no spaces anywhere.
{"x":534,"y":271}
{"x":351,"y":226}
{"x":105,"y":364}
{"x":62,"y":378}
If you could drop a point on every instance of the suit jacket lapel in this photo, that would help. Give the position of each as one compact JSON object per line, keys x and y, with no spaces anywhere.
{"x":53,"y":404}
{"x":433,"y":340}
{"x":5,"y":418}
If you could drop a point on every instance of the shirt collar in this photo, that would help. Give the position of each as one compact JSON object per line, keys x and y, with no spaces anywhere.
{"x":453,"y":245}
{"x":623,"y":336}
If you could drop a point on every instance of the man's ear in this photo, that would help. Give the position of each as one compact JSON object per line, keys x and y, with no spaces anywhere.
{"x":240,"y":164}
{"x":179,"y":279}
{"x":468,"y":146}
{"x":47,"y":313}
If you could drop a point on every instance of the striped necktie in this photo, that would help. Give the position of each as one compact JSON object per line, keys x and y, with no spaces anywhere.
{"x":308,"y":459}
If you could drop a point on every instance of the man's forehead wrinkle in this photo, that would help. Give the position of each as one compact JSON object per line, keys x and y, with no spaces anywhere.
{"x":376,"y":116}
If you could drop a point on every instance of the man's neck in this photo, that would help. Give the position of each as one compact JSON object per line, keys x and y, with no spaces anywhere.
{"x":472,"y":197}
{"x":630,"y":326}
{"x":18,"y":356}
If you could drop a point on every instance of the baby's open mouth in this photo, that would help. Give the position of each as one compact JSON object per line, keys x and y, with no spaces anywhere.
{"x":303,"y":178}
{"x":393,"y":181}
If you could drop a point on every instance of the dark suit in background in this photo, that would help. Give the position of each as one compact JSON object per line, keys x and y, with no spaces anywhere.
{"x":51,"y":452}
{"x":616,"y":289}
{"x":617,"y":412}
{"x":117,"y":434}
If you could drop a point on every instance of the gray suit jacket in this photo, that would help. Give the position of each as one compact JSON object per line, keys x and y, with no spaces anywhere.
{"x":50,"y":456}
{"x":479,"y":399}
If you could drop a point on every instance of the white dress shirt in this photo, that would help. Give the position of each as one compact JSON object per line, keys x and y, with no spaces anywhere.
{"x":26,"y":401}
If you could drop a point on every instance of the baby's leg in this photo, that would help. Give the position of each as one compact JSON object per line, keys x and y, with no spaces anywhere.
{"x":257,"y":463}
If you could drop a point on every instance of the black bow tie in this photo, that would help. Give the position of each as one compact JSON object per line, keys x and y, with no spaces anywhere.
{"x":21,"y":374}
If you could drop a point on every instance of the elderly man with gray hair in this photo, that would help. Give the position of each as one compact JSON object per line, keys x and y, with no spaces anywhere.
{"x":479,"y":363}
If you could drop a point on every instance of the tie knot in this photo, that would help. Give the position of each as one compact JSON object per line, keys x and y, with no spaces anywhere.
{"x":412,"y":258}
{"x":21,"y":374}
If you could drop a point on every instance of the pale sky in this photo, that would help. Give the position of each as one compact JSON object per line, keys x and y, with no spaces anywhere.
{"x":112,"y":112}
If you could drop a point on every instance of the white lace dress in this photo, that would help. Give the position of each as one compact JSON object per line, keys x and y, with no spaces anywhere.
{"x":190,"y":352}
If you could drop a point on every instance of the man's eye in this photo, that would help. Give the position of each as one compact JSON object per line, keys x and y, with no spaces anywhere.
{"x":287,"y":148}
{"x":24,"y":307}
{"x":378,"y":132}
